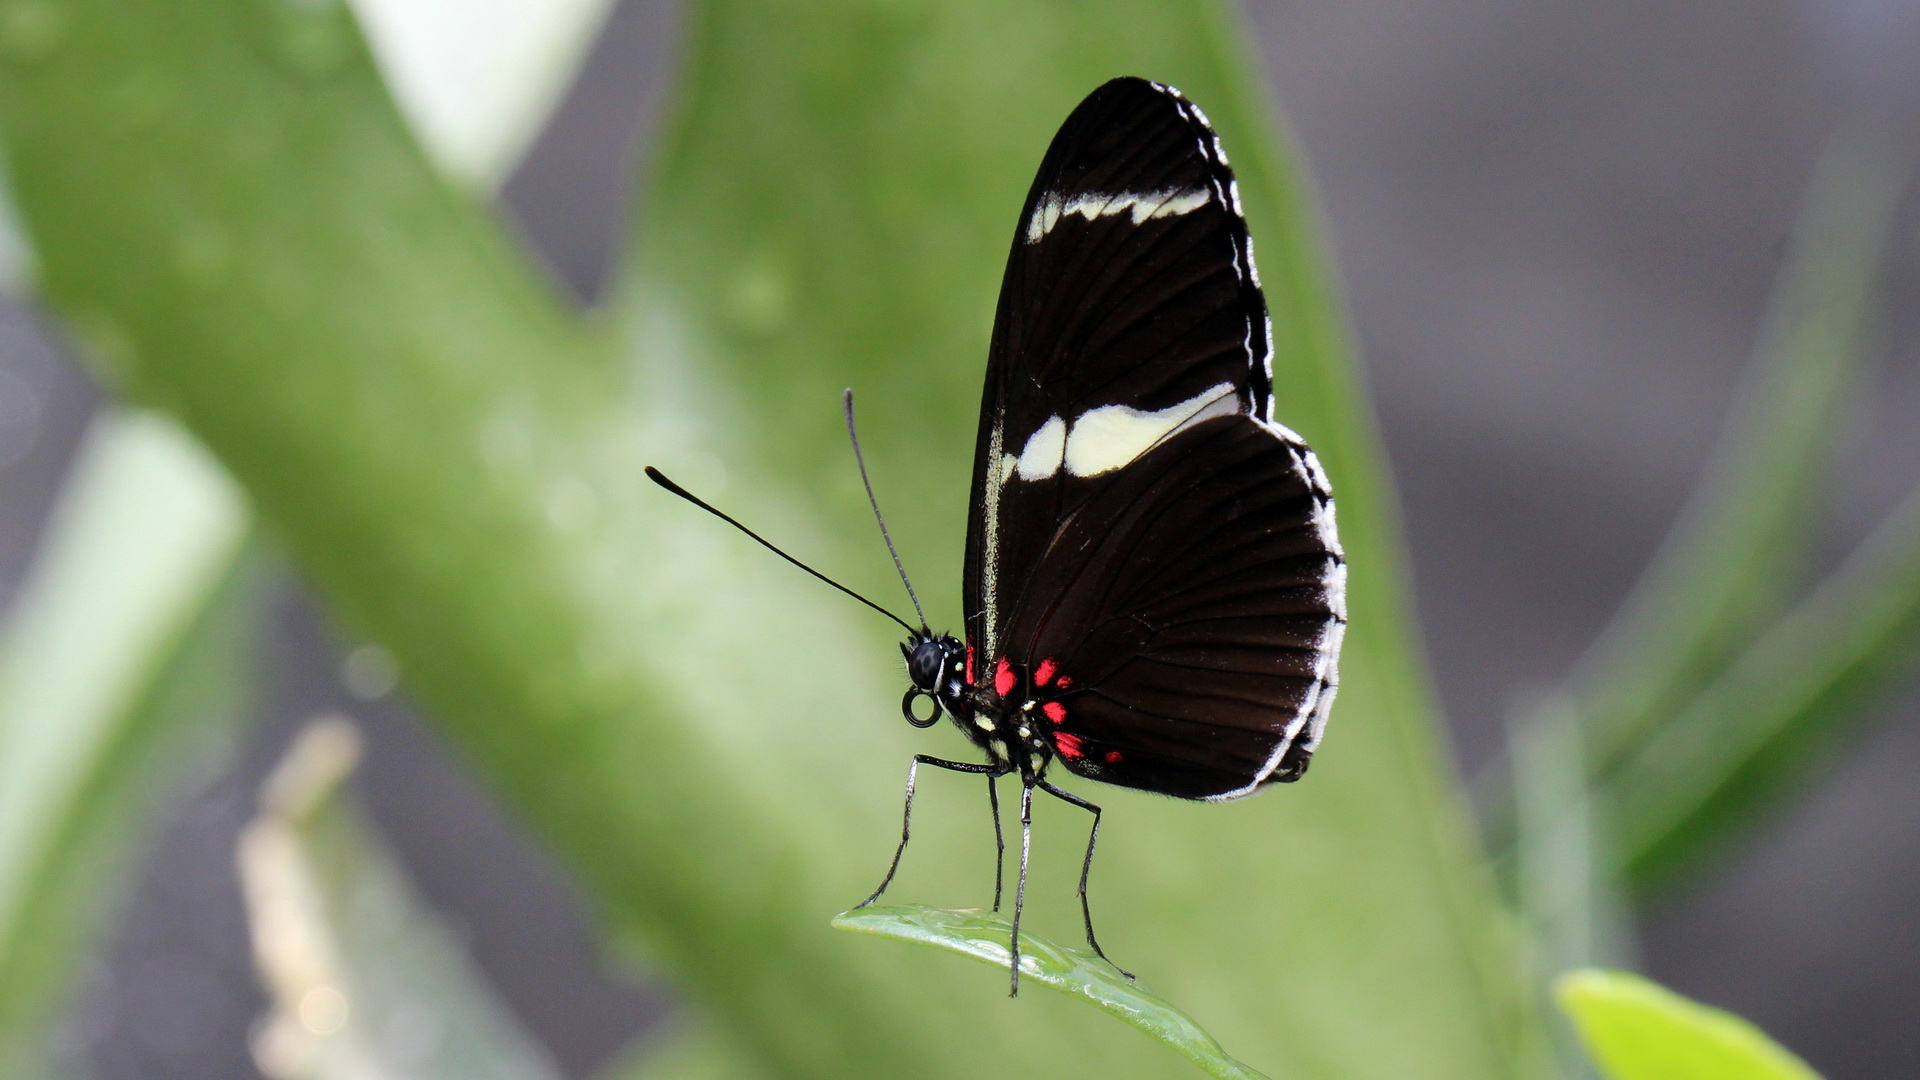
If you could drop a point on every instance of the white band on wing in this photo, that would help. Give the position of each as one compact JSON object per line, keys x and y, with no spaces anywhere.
{"x":1110,"y":436}
{"x":1144,"y":205}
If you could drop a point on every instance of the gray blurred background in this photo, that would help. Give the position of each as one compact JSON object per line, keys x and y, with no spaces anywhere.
{"x":1557,"y":223}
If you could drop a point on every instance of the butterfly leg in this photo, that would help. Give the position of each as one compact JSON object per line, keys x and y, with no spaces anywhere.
{"x":999,"y":838}
{"x":1020,"y":890}
{"x":906,"y":817}
{"x":1086,"y":866}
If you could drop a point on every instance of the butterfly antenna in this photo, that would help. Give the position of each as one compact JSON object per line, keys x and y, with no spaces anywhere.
{"x":846,"y":401}
{"x":660,"y":478}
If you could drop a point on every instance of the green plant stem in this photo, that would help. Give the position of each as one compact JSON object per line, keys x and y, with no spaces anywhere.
{"x":234,"y":220}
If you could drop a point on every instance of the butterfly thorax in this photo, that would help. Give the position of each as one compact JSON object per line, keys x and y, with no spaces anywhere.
{"x":1009,"y":710}
{"x":1016,"y":713}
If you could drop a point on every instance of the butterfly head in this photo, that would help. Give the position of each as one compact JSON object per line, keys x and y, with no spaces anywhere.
{"x":936,"y":664}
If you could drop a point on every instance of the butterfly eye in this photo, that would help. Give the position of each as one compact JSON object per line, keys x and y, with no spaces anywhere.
{"x":906,"y":708}
{"x":924,"y":664}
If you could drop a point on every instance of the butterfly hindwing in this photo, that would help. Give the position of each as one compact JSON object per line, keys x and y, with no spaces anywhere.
{"x":1196,"y":630}
{"x":1137,"y":523}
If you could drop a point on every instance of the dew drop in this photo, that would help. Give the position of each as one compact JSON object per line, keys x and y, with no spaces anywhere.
{"x":323,"y":1010}
{"x":370,"y":672}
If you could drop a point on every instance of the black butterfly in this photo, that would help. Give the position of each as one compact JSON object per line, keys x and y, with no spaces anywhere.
{"x":1154,"y":590}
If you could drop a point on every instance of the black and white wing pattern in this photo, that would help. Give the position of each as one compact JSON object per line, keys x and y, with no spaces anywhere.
{"x":1151,"y":561}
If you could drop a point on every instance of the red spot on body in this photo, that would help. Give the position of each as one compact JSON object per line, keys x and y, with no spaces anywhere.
{"x":1065,"y":682}
{"x":1043,"y":674}
{"x":1113,"y":757}
{"x":1068,"y":745}
{"x":969,"y":663}
{"x":1055,"y":711}
{"x":1003,"y":677}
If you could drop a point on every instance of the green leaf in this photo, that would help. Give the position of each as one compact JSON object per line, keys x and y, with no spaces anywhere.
{"x":232,"y":214}
{"x":150,"y":525}
{"x":365,"y":981}
{"x":1750,"y":736}
{"x":1731,"y":557}
{"x":985,"y":936}
{"x":167,"y":516}
{"x":1638,"y":1030}
{"x":127,"y":664}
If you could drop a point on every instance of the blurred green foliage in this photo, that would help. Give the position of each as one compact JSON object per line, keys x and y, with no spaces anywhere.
{"x":230,"y":214}
{"x":1715,"y":690}
{"x":1710,"y":690}
{"x":129,"y":661}
{"x":234,"y":220}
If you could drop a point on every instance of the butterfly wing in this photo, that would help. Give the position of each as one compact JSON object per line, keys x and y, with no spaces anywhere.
{"x":1153,"y":556}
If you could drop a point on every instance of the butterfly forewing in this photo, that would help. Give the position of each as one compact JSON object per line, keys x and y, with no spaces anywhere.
{"x":1154,"y":558}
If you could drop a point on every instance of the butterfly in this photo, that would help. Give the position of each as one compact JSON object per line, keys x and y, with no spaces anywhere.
{"x":1154,"y":589}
